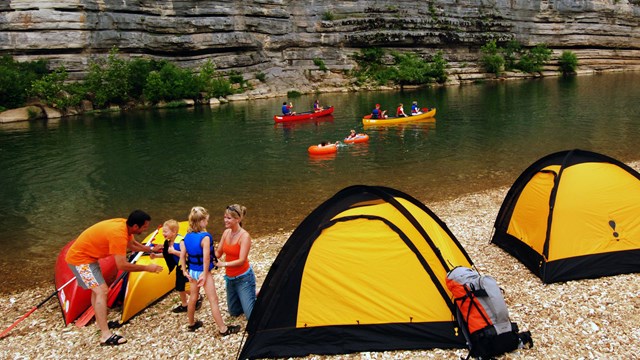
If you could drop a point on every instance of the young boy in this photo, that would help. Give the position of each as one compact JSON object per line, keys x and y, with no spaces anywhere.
{"x":172,"y":244}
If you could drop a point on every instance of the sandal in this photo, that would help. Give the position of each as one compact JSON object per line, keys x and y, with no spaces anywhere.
{"x":113,"y":340}
{"x":195,"y":326}
{"x":199,"y":302}
{"x":231,"y":329}
{"x":179,"y":309}
{"x":114,"y":324}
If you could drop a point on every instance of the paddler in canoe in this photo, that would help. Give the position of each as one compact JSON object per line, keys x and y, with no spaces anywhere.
{"x":377,"y":113}
{"x":287,"y":109}
{"x":400,"y":111}
{"x":316,"y":106}
{"x":415,"y":109}
{"x":108,"y":237}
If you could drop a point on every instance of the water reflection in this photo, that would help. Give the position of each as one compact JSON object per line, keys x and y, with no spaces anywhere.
{"x":61,"y":176}
{"x":321,"y":159}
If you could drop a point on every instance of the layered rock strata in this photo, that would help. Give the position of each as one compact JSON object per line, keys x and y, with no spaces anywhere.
{"x":281,"y":38}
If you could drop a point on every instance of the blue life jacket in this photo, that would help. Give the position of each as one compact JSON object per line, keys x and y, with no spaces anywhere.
{"x":375,"y":114}
{"x":192,"y":243}
{"x":285,"y":110}
{"x":176,"y":246}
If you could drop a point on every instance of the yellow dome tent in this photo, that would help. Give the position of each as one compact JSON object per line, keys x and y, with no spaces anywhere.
{"x":365,"y":271}
{"x":573,"y":215}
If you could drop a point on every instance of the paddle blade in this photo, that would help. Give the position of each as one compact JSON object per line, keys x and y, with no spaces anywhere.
{"x":115,"y":292}
{"x":86,"y":317}
{"x":6,"y":331}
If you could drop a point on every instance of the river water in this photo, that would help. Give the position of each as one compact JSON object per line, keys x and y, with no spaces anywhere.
{"x":59,"y":177}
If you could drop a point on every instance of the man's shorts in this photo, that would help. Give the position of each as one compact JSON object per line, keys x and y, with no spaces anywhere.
{"x":89,"y":276}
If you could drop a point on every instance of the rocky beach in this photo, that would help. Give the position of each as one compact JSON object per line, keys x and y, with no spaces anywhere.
{"x":586,"y":319}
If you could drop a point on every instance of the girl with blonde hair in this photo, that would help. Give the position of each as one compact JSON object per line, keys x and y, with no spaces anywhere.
{"x":196,"y":260}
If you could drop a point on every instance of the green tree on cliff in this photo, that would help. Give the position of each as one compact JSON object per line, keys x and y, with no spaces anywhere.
{"x":108,"y":80}
{"x":492,"y":59}
{"x":511,"y":53}
{"x":212,"y":83}
{"x":568,"y":62}
{"x":370,"y":66}
{"x":16,"y":78}
{"x":534,"y":59}
{"x":438,"y":67}
{"x":55,"y":91}
{"x":406,"y":68}
{"x":410,"y":69}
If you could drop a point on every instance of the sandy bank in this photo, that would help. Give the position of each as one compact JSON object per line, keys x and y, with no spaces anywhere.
{"x":588,"y":319}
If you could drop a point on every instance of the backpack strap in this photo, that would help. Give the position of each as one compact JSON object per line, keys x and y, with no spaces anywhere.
{"x":470,"y":294}
{"x":465,"y":331}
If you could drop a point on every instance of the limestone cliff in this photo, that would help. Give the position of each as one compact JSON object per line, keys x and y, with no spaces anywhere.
{"x":280,"y":38}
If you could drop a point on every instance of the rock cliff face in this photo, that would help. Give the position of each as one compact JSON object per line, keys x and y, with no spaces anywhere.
{"x":280,"y":38}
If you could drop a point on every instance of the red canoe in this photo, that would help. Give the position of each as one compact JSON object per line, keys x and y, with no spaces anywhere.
{"x":303,"y":116}
{"x":75,"y":300}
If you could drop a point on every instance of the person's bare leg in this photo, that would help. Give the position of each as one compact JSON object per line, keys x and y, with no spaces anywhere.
{"x":183,"y":298}
{"x":191,"y":304}
{"x":99,"y":303}
{"x":212,"y":296}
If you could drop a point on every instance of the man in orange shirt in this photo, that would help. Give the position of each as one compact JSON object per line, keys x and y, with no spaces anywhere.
{"x":108,"y":237}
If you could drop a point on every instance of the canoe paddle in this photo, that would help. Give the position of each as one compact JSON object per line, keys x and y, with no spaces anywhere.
{"x":6,"y":331}
{"x":115,"y":288}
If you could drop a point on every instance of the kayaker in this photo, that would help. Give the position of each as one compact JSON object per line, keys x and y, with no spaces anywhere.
{"x":172,"y":249}
{"x":196,"y":250}
{"x":287,"y":109}
{"x":377,"y":113}
{"x":239,"y":278}
{"x":415,"y":110}
{"x":400,"y":111}
{"x":316,"y":106}
{"x":106,"y":238}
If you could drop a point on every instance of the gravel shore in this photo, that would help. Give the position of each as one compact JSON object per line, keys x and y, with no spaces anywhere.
{"x":587,"y":319}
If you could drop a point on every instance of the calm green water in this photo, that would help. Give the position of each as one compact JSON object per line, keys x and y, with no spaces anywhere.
{"x":58,"y":177}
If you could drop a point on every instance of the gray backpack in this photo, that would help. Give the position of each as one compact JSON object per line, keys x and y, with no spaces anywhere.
{"x":483,"y":315}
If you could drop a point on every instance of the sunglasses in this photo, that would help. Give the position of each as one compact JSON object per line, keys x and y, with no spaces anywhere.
{"x":233,"y":208}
